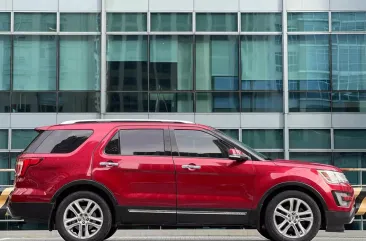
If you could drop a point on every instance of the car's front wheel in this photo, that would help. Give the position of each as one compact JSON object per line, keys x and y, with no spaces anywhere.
{"x":83,"y":216}
{"x":292,"y":216}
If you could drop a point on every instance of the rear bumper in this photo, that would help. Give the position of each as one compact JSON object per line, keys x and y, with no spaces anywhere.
{"x":336,"y":220}
{"x":30,"y":212}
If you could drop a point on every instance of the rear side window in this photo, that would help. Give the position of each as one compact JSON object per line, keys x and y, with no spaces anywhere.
{"x":58,"y":141}
{"x":112,"y":148}
{"x":142,"y":142}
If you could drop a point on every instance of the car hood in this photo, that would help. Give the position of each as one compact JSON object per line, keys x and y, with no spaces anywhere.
{"x":302,"y":164}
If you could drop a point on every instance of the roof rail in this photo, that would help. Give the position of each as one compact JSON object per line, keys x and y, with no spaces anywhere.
{"x":123,"y":120}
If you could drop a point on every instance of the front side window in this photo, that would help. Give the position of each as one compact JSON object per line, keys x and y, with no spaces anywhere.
{"x":192,"y":143}
{"x":142,"y":142}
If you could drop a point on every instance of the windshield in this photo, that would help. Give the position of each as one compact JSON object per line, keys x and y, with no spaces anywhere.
{"x":242,"y":145}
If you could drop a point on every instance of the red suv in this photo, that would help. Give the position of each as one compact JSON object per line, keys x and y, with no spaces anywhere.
{"x":88,"y":178}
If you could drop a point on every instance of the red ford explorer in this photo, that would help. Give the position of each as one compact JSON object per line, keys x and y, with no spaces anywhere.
{"x":88,"y":178}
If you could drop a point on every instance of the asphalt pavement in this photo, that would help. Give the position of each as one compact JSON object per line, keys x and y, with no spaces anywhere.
{"x":175,"y":235}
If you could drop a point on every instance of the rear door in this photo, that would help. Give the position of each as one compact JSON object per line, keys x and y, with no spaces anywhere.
{"x":135,"y":163}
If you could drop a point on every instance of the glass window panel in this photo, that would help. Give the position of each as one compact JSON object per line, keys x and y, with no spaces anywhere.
{"x":348,"y":21}
{"x":217,"y":63}
{"x":5,"y":51}
{"x":171,"y":102}
{"x":261,"y":62}
{"x":171,"y":63}
{"x":33,"y":102}
{"x":351,"y":160}
{"x":308,"y":62}
{"x":126,"y":22}
{"x":217,"y":102}
{"x":216,"y":22}
{"x":261,"y":22}
{"x":3,"y":139}
{"x":301,"y":22}
{"x":20,"y":139}
{"x":166,"y":22}
{"x":79,"y":62}
{"x":349,"y":62}
{"x":35,"y":22}
{"x":350,"y":139}
{"x":261,"y":102}
{"x":310,"y":139}
{"x":80,"y":22}
{"x":234,"y":133}
{"x":274,"y":155}
{"x":127,"y":102}
{"x":316,"y":157}
{"x":309,"y":101}
{"x":34,"y":63}
{"x":4,"y":21}
{"x":4,"y":164}
{"x":79,"y":102}
{"x":263,"y":139}
{"x":4,"y":102}
{"x":13,"y":158}
{"x":127,"y":63}
{"x":349,"y":101}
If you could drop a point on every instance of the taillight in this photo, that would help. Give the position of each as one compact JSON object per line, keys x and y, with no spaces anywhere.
{"x":23,"y":164}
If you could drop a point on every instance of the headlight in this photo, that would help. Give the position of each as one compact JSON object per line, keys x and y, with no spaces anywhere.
{"x":333,"y":177}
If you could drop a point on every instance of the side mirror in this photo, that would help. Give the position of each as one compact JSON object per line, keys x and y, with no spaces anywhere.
{"x":237,"y":155}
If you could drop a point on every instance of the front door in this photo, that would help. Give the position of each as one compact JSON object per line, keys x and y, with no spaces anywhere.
{"x":211,"y":188}
{"x":136,"y":165}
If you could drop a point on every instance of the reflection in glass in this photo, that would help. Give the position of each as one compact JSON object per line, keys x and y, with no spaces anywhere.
{"x":274,"y":155}
{"x":127,"y":102}
{"x":217,"y":102}
{"x":308,"y":62}
{"x":349,"y":21}
{"x":233,"y":133}
{"x":126,"y":22}
{"x":79,"y":102}
{"x":171,"y":22}
{"x":80,"y":22}
{"x":3,"y":139}
{"x":349,"y":101}
{"x":34,"y":63}
{"x":349,"y":62}
{"x":5,"y":22}
{"x":4,"y":102}
{"x":33,"y":102}
{"x":216,"y":22}
{"x":317,"y":157}
{"x":171,"y":102}
{"x":307,"y":22}
{"x":5,"y":47}
{"x":309,"y":101}
{"x":261,"y":62}
{"x":35,"y":22}
{"x":261,"y":101}
{"x":79,"y":63}
{"x":20,"y":139}
{"x":263,"y":139}
{"x":171,"y":63}
{"x":127,"y":60}
{"x":310,"y":139}
{"x":217,"y":63}
{"x":350,"y":139}
{"x":261,"y":22}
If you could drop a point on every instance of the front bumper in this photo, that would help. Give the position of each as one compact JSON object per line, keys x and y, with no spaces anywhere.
{"x":335,"y":221}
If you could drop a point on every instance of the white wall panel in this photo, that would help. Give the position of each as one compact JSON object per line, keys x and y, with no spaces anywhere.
{"x":347,"y":120}
{"x":126,"y":116}
{"x":35,"y":5}
{"x":6,"y":5}
{"x":31,"y":120}
{"x":309,"y":120}
{"x":348,"y":5}
{"x":4,"y":120}
{"x":262,"y":120}
{"x":308,"y":5}
{"x":75,"y":116}
{"x":224,"y":120}
{"x":127,"y":5}
{"x":216,"y":5}
{"x":80,"y":5}
{"x":260,"y":5}
{"x":172,"y":116}
{"x":171,"y":5}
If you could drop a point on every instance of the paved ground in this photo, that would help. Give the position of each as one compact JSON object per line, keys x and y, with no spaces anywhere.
{"x":181,"y":235}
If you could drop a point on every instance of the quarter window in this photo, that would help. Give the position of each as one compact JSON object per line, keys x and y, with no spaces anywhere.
{"x":113,"y":147}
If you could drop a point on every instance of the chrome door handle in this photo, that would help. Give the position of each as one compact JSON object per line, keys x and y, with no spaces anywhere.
{"x":191,"y":167}
{"x":108,"y":164}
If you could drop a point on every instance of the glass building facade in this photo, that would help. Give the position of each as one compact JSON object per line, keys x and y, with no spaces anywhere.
{"x":287,"y":77}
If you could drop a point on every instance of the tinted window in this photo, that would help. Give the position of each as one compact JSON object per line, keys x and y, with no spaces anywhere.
{"x":113,"y":146}
{"x":63,"y":141}
{"x":199,"y":144}
{"x":142,"y":142}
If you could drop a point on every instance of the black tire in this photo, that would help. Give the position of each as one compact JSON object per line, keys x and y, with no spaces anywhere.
{"x":111,"y":232}
{"x":270,"y":223}
{"x":107,"y":216}
{"x":263,"y":231}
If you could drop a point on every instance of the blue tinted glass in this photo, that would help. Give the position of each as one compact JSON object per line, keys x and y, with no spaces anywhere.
{"x":4,"y":21}
{"x":231,"y":132}
{"x":171,"y":102}
{"x":127,"y":102}
{"x":309,"y":139}
{"x":216,"y":22}
{"x":263,"y":139}
{"x":80,"y":22}
{"x":261,"y":22}
{"x":348,"y":21}
{"x":350,"y":139}
{"x":309,"y":101}
{"x":35,"y":22}
{"x":78,"y":102}
{"x":3,"y":139}
{"x":308,"y":62}
{"x":217,"y":102}
{"x":261,"y":102}
{"x":4,"y":102}
{"x":349,"y":62}
{"x":324,"y":158}
{"x":5,"y":47}
{"x":33,"y":102}
{"x":126,"y":22}
{"x":261,"y":62}
{"x":300,"y":22}
{"x":176,"y":22}
{"x":22,"y":138}
{"x":350,"y":160}
{"x":274,"y":155}
{"x":349,"y":101}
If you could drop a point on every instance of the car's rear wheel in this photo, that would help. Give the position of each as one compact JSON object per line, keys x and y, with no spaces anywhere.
{"x":83,"y":216}
{"x":292,"y":216}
